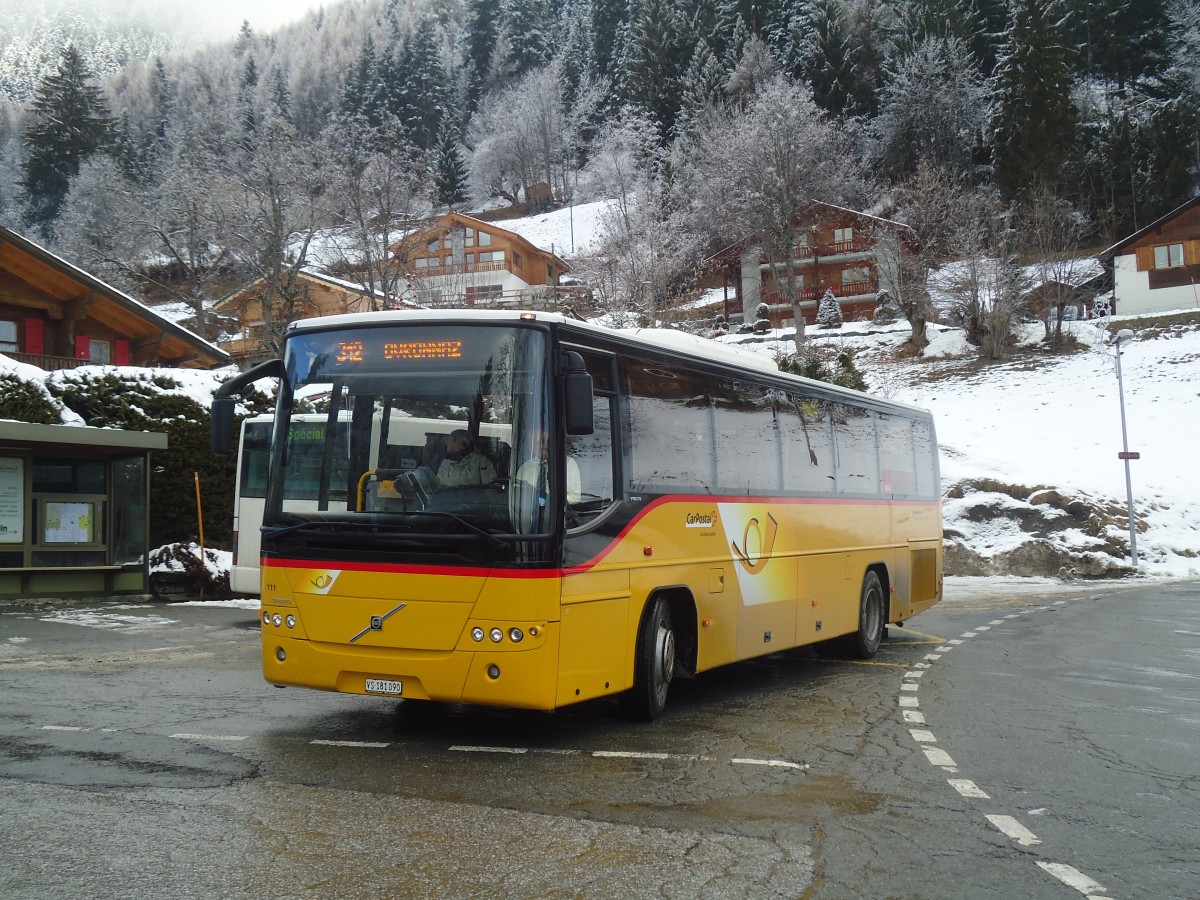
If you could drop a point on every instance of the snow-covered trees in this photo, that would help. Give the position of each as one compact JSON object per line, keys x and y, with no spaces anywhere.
{"x":751,"y":170}
{"x":71,"y":122}
{"x":932,"y":109}
{"x":1035,"y":119}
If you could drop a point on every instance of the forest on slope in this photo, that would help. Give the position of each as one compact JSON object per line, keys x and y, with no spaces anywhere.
{"x":179,"y":172}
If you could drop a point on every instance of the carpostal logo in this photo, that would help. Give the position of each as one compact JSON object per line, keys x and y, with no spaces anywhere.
{"x":702,"y":520}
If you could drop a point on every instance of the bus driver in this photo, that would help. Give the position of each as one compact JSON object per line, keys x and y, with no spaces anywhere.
{"x":463,"y":464}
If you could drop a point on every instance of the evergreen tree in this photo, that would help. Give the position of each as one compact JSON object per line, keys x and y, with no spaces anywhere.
{"x":421,"y":85}
{"x":358,"y":90}
{"x":608,"y":20}
{"x":829,"y":58}
{"x":656,"y":64}
{"x":1121,"y":41}
{"x":528,"y":30}
{"x":1036,"y":121}
{"x":450,"y":171}
{"x":703,"y":85}
{"x":483,"y":27}
{"x":71,"y":122}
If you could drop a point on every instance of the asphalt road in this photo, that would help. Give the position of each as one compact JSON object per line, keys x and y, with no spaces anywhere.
{"x":1002,"y":745}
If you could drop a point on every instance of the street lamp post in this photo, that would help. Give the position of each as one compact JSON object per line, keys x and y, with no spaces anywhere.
{"x":1124,"y":336}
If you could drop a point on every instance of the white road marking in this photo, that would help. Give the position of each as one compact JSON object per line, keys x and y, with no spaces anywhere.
{"x":921,"y":665}
{"x":377,"y":744}
{"x":968,"y":789}
{"x":914,"y":673}
{"x":939,"y":758}
{"x":64,"y":728}
{"x":933,"y":657}
{"x":945,"y":649}
{"x":966,"y":634}
{"x":629,"y":754}
{"x":922,"y":737}
{"x":1073,"y":878}
{"x":1013,"y":616}
{"x":184,"y":736}
{"x":909,"y":686}
{"x":909,"y":701}
{"x":471,"y":748}
{"x":912,"y":717}
{"x":983,"y":627}
{"x":954,"y":642}
{"x":780,"y":763}
{"x":996,"y":622}
{"x":1015,"y":830}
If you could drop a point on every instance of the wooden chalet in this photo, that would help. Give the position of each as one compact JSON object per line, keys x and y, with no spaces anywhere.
{"x":1158,"y":268}
{"x":315,"y":294}
{"x":54,"y":315}
{"x":460,"y":261}
{"x":853,"y":254}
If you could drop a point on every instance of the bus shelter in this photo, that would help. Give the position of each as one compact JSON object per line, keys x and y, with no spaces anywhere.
{"x":74,"y":510}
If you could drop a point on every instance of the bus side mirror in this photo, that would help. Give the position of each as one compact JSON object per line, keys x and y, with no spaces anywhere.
{"x":222,"y":424}
{"x":577,"y":390}
{"x":224,"y":406}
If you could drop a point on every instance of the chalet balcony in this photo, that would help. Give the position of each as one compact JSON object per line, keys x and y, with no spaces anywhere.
{"x":49,"y":363}
{"x":464,"y":269}
{"x":853,"y":290}
{"x":823,"y":252}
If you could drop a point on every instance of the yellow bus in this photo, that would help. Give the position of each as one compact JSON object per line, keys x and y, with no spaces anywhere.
{"x":655,"y":507}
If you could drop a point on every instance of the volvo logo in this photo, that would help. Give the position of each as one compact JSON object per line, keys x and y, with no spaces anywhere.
{"x":376,"y":623}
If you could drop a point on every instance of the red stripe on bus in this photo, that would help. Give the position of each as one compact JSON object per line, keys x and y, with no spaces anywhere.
{"x":559,"y":572}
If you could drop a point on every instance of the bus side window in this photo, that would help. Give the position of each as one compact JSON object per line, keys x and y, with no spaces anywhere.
{"x":857,"y":452}
{"x":591,"y":456}
{"x":807,"y":444}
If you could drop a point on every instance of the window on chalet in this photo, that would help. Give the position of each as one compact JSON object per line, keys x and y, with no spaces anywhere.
{"x":493,"y":256}
{"x":432,"y":246}
{"x":1168,"y":256}
{"x":8,"y":335}
{"x":843,"y":235}
{"x":856,"y":275}
{"x":516,"y":258}
{"x":427,"y":262}
{"x":100,"y":352}
{"x":485,"y":239}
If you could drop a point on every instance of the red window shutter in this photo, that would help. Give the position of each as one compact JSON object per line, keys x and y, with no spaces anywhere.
{"x":121,"y":353}
{"x":83,"y":346}
{"x":35,"y":336}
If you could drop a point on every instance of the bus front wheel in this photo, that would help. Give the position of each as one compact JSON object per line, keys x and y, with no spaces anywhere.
{"x":654,"y":664}
{"x":864,"y":643}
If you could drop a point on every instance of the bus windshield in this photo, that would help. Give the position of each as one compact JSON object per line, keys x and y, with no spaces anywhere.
{"x":415,"y":430}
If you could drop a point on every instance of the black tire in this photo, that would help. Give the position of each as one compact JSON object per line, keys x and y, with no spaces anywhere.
{"x":872,"y":618}
{"x":654,"y":664}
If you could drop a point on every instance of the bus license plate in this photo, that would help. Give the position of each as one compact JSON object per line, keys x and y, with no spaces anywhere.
{"x":379,"y":686}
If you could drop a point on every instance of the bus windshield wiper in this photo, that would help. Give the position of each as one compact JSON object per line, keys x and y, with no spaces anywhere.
{"x":298,"y":526}
{"x":470,"y":526}
{"x":360,"y":525}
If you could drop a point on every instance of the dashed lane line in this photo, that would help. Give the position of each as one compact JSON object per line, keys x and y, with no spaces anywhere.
{"x":909,"y":702}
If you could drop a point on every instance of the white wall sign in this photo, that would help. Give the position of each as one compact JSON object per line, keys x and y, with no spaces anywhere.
{"x":12,"y":501}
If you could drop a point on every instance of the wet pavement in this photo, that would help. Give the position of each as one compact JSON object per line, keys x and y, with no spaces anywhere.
{"x":142,"y":754}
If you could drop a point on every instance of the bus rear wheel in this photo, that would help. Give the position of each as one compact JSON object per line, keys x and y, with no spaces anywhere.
{"x":864,"y":643}
{"x":654,"y":664}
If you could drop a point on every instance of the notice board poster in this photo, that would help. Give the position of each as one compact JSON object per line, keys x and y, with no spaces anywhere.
{"x":12,"y":501}
{"x":68,"y":523}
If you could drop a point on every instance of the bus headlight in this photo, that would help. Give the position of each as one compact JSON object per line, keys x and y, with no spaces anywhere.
{"x":276,"y":620}
{"x":266,"y":618}
{"x":497,"y":635}
{"x":291,"y":621}
{"x":477,"y":634}
{"x":516,"y":635}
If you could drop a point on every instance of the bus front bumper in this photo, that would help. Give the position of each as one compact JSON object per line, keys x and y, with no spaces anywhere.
{"x":514,"y":678}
